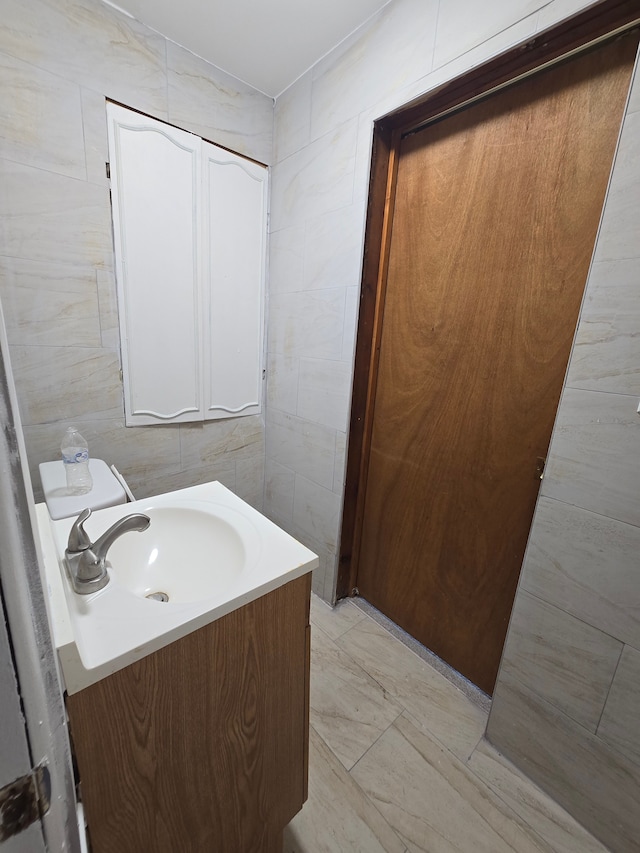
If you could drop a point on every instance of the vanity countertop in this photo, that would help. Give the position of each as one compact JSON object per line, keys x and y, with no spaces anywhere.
{"x":98,"y":634}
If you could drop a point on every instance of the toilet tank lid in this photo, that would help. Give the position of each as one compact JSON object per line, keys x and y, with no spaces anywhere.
{"x":106,"y":491}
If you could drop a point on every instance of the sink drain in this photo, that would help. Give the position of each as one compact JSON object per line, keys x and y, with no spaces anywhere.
{"x":158,"y":596}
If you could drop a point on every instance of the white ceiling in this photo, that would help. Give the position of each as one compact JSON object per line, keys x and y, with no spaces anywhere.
{"x":266,"y":43}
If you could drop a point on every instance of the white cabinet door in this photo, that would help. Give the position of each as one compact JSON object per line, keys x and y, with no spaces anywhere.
{"x":155,"y":172}
{"x":236,"y":200}
{"x":190,"y":239}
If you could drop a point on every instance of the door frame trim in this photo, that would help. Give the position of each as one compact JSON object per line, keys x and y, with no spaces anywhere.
{"x":601,"y":21}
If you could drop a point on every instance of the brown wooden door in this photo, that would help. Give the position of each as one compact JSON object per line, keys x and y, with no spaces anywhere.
{"x":495,"y":218}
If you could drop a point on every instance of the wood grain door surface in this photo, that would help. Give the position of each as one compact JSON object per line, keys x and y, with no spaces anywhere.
{"x":495,"y":218}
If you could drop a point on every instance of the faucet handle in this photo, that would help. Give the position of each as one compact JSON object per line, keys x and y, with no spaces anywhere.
{"x":78,"y":537}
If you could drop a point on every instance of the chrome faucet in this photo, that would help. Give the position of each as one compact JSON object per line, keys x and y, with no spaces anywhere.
{"x":86,"y":560}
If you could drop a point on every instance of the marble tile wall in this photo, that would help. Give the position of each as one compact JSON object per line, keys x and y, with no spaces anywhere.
{"x":573,"y":648}
{"x":59,"y":60}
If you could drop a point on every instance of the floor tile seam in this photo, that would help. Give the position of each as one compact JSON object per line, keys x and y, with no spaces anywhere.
{"x":387,"y":694}
{"x":357,"y":785}
{"x":330,"y":614}
{"x":380,"y":704}
{"x":371,"y":745}
{"x":415,"y":721}
{"x":365,"y":794}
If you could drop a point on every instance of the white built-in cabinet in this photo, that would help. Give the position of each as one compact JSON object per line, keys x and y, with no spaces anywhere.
{"x":190,"y":224}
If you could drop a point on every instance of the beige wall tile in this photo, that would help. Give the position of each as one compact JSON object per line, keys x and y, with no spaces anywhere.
{"x":596,"y":784}
{"x":606,"y":355}
{"x":279,"y":486}
{"x":480,"y":23}
{"x":89,"y":43}
{"x":49,"y":217}
{"x":282,"y":382}
{"x":316,"y":179}
{"x":324,"y":392}
{"x":375,"y":61}
{"x":204,"y":443}
{"x":48,"y":304}
{"x":587,"y":565}
{"x":138,"y":453}
{"x":292,"y":118}
{"x":333,"y":250}
{"x":250,"y":481}
{"x":620,"y":723}
{"x":66,"y":384}
{"x":316,"y":511}
{"x":620,"y":231}
{"x":159,"y":480}
{"x":593,"y":461}
{"x":563,"y":660}
{"x":339,"y":473}
{"x":301,"y":446}
{"x":323,"y":579}
{"x":41,"y":119}
{"x":307,"y":323}
{"x":220,"y":108}
{"x":352,"y":307}
{"x":286,"y":260}
{"x":109,"y":324}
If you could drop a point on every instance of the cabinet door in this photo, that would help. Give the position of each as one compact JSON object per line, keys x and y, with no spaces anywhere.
{"x":190,"y":225}
{"x":155,"y":171}
{"x":236,"y":215}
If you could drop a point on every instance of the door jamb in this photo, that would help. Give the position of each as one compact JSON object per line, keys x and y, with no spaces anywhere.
{"x":600,"y":21}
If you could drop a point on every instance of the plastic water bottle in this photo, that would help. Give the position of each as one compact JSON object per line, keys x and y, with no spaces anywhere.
{"x":75,"y":455}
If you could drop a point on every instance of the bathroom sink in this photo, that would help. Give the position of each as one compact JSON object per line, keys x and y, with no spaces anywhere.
{"x":205,"y":554}
{"x":186,"y":554}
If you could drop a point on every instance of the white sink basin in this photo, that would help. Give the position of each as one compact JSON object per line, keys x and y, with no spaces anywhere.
{"x":209,"y":553}
{"x":188,"y":553}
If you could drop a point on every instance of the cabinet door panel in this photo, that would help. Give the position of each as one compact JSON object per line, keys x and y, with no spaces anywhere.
{"x":236,"y":222}
{"x":156,"y":168}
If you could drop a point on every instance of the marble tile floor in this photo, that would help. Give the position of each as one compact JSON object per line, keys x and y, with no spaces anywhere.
{"x":398,"y":762}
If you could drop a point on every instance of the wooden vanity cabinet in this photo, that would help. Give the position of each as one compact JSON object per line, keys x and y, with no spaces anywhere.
{"x":203,"y":745}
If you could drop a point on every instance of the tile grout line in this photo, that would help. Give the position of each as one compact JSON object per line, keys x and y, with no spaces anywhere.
{"x":361,"y":789}
{"x":355,"y":782}
{"x":604,"y":704}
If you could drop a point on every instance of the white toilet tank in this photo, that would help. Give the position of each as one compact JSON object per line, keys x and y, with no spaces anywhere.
{"x":106,"y":491}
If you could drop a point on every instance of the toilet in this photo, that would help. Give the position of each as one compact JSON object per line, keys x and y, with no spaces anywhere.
{"x":108,"y":489}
